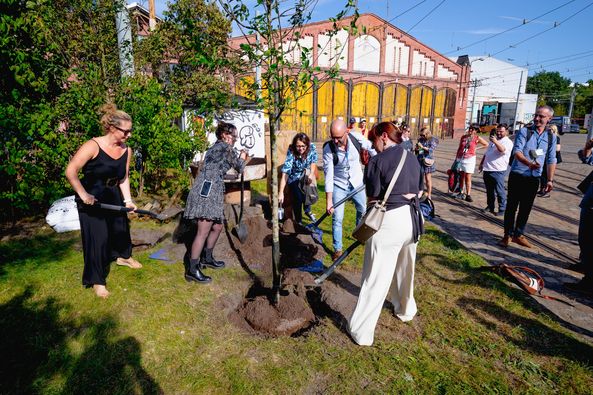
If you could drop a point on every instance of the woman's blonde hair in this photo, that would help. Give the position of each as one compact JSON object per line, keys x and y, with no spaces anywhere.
{"x":112,"y":116}
{"x":554,"y":129}
{"x":426,"y":131}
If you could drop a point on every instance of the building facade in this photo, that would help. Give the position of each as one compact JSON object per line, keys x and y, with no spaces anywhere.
{"x":386,"y":75}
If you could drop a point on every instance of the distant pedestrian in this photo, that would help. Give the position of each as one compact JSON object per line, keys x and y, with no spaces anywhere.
{"x":301,"y":162}
{"x":494,"y":164}
{"x":466,"y":153}
{"x":343,"y":175}
{"x":352,"y":125}
{"x":533,"y":146}
{"x":425,"y":147}
{"x":363,"y":128}
{"x":407,"y":142}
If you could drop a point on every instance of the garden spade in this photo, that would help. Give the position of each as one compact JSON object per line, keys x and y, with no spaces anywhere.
{"x":241,"y":228}
{"x":336,"y":263}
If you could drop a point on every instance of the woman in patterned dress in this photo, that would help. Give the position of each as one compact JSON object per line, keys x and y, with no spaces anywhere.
{"x":206,"y":200}
{"x":301,"y":156}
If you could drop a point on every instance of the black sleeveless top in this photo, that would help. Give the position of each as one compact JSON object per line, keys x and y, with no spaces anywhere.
{"x":102,"y":175}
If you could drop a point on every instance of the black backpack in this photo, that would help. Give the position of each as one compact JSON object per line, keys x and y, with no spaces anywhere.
{"x":363,"y":153}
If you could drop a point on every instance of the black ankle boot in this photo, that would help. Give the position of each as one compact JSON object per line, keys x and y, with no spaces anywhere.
{"x":194,"y":273}
{"x":209,"y":261}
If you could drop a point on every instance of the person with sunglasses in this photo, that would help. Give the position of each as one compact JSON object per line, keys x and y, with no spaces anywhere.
{"x":105,"y":164}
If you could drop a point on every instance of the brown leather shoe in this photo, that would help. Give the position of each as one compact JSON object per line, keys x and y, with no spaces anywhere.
{"x":504,"y":242}
{"x":522,"y":241}
{"x":336,"y":255}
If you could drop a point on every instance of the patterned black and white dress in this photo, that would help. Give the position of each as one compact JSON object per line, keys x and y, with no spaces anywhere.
{"x":218,"y":160}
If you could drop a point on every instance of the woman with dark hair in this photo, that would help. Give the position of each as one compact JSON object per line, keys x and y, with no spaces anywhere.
{"x":466,"y":153}
{"x":301,"y":161}
{"x":390,"y":254}
{"x":425,"y":147}
{"x":105,"y":165}
{"x":205,"y":201}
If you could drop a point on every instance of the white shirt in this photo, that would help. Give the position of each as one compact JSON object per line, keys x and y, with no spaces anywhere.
{"x":348,"y":172}
{"x":494,"y":160}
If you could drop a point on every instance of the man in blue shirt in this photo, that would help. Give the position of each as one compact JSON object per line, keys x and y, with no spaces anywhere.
{"x":532,"y":147}
{"x":343,"y":177}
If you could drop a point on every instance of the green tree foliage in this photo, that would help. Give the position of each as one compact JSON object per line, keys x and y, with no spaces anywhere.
{"x":192,"y":41}
{"x":59,"y":64}
{"x":552,"y":90}
{"x":583,"y":103}
{"x":271,"y":30}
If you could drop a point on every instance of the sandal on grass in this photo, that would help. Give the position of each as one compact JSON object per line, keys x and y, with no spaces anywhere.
{"x":130,"y":262}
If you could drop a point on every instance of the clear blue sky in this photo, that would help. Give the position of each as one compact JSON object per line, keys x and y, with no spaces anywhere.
{"x":445,"y":25}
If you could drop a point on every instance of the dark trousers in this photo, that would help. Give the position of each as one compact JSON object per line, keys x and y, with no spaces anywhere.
{"x":298,"y":199}
{"x":522,"y":191}
{"x":105,"y":237}
{"x":494,"y":182}
{"x":586,"y":241}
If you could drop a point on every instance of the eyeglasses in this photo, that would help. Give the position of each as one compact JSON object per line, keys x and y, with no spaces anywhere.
{"x":124,"y":131}
{"x":338,"y":137}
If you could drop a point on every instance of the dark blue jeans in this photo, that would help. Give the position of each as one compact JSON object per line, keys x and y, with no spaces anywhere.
{"x":494,"y":182}
{"x":522,"y":191}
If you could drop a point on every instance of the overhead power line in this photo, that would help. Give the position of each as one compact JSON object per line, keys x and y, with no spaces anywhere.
{"x":425,"y":16}
{"x":525,"y":22}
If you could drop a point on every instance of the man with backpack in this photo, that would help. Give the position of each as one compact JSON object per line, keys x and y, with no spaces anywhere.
{"x":343,"y":175}
{"x":533,"y":146}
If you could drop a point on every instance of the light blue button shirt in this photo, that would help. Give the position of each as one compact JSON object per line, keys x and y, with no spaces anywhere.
{"x":348,"y":171}
{"x":536,"y":141}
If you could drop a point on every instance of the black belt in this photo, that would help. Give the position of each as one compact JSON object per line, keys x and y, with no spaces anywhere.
{"x":112,"y":182}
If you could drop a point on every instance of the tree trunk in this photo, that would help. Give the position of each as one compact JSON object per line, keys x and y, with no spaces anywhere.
{"x":277,"y":279}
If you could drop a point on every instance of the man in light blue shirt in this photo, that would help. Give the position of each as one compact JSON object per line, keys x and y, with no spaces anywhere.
{"x":343,"y":177}
{"x":533,"y":145}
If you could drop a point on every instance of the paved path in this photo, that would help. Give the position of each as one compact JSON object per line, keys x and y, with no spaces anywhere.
{"x":553,"y":222}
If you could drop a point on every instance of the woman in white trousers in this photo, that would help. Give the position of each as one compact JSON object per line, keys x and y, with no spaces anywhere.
{"x":390,"y":254}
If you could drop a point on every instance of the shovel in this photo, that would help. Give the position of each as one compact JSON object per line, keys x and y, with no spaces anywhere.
{"x":317,"y":233}
{"x":240,"y":228}
{"x":112,"y":207}
{"x":337,"y":263}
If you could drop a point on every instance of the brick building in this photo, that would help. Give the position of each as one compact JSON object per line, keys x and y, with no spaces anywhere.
{"x":387,"y":75}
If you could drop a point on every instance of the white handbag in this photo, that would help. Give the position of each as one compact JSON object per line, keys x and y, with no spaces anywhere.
{"x":373,"y":218}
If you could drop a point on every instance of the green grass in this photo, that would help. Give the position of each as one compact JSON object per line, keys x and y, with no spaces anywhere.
{"x":473,"y":334}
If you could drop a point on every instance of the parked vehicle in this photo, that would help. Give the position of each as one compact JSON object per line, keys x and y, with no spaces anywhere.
{"x":575,"y":128}
{"x":563,"y":124}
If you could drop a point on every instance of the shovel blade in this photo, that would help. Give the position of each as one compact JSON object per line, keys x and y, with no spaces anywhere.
{"x":241,"y":231}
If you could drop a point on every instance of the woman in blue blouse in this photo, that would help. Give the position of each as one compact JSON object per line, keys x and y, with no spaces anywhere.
{"x":301,"y":156}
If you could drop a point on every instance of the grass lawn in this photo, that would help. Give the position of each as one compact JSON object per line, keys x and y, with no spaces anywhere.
{"x":156,"y":333}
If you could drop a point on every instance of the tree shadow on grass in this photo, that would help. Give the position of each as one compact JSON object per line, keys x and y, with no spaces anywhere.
{"x":41,"y":249}
{"x":537,"y":334}
{"x":35,"y":349}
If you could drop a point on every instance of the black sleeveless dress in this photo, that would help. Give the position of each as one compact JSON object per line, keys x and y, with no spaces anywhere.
{"x":105,"y":234}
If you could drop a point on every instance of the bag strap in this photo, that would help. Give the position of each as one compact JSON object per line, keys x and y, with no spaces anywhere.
{"x":400,"y":166}
{"x":355,"y":142}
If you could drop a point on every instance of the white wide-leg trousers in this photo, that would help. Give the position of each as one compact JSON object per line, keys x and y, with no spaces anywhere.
{"x":389,"y":259}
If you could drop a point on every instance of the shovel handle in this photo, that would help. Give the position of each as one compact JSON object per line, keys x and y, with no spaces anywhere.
{"x":337,"y":263}
{"x":124,"y":209}
{"x":338,"y":203}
